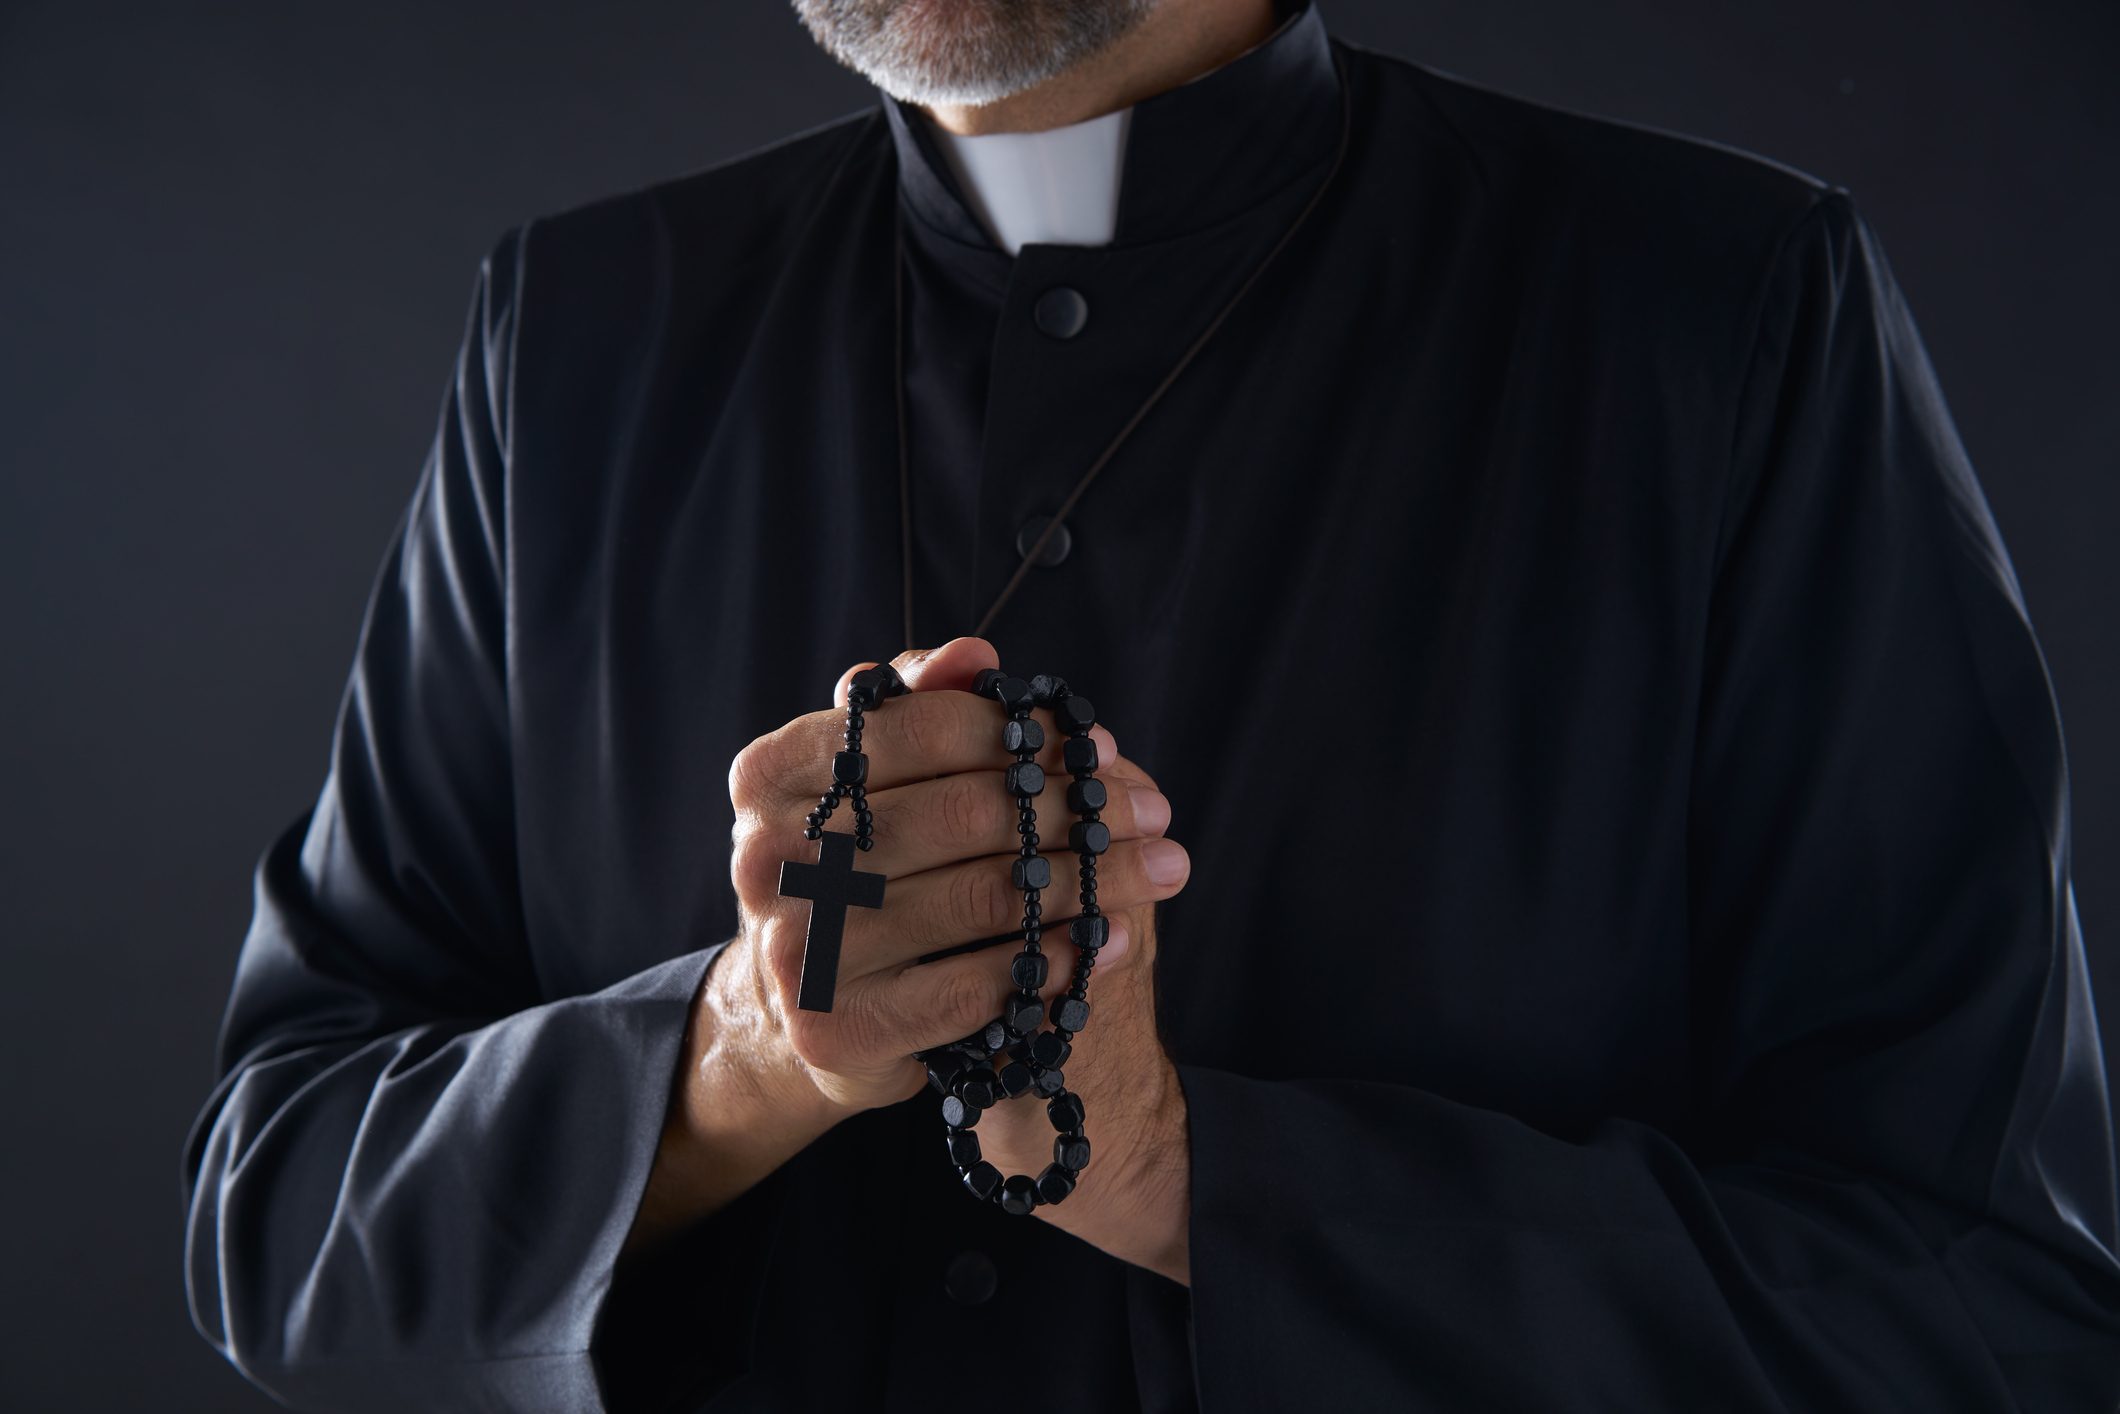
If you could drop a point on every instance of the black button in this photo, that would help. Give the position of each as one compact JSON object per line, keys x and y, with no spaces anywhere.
{"x":971,"y":1279}
{"x":1061,"y":312}
{"x":1056,"y":545}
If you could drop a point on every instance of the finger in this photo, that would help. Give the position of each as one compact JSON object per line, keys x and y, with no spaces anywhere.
{"x":917,"y":1007}
{"x":975,"y":899}
{"x":952,"y":665}
{"x":928,"y":824}
{"x":916,"y":737}
{"x":769,"y":834}
{"x":932,"y":734}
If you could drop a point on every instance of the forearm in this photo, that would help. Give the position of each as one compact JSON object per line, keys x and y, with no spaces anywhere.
{"x":740,"y":1107}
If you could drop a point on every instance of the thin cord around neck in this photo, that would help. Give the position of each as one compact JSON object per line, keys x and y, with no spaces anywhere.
{"x":1053,"y":523}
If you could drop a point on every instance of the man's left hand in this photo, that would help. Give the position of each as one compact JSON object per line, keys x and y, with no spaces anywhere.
{"x":1134,"y":1198}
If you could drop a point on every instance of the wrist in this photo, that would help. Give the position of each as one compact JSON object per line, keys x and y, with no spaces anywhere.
{"x":1162,"y":1185}
{"x":744,"y":1083}
{"x":1139,"y":1208}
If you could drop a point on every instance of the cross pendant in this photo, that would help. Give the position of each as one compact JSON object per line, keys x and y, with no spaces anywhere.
{"x":832,"y":885}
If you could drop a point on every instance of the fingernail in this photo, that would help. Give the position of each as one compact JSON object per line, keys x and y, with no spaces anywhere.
{"x":1165,"y":861}
{"x":1151,"y":811}
{"x":1116,"y":941}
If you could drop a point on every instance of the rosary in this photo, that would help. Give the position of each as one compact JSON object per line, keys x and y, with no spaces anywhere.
{"x":1011,"y":1055}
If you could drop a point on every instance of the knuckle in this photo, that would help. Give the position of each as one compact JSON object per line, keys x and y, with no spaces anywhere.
{"x":923,"y":731}
{"x":751,"y":769}
{"x":783,"y":966}
{"x":869,"y":1026}
{"x":968,"y":1000}
{"x":813,"y":1039}
{"x":754,"y":860}
{"x":978,"y":900}
{"x":964,"y":814}
{"x":1124,"y":873}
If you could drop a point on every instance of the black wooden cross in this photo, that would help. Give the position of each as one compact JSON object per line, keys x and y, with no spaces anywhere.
{"x":832,"y":885}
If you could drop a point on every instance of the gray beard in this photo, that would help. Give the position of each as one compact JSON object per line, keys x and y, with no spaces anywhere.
{"x":966,"y":52}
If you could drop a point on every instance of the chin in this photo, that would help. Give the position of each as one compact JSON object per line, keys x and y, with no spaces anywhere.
{"x":965,"y":53}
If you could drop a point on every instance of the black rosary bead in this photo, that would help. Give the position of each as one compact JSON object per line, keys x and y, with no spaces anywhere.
{"x":1022,"y":734}
{"x":1012,"y":693}
{"x":983,"y":681}
{"x":1050,"y":1081}
{"x":1079,"y":754}
{"x":1085,"y":795}
{"x":1047,"y":689}
{"x":943,"y":1068}
{"x":1015,"y":1078}
{"x":1054,"y":1184}
{"x":982,"y":1179}
{"x":957,"y":1114}
{"x":849,"y":768}
{"x":1024,"y":778}
{"x":1070,"y":1013}
{"x":1031,"y":871}
{"x":964,"y":1148}
{"x":1071,"y":1151}
{"x":1021,"y":1015}
{"x":1089,"y":931}
{"x":1019,"y":1194}
{"x":1089,"y":837}
{"x":1074,"y":713}
{"x":1049,"y":1048}
{"x":977,"y":1088}
{"x":869,"y":686}
{"x":1065,"y":1111}
{"x":1028,"y":971}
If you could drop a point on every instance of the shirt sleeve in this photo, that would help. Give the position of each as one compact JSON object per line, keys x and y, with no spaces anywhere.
{"x":1897,"y":1188}
{"x":410,"y":1186}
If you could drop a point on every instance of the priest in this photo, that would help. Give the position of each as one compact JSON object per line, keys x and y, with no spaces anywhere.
{"x":1591,"y":915}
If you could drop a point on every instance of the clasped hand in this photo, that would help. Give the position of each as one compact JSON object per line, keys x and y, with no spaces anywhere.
{"x":945,"y":830}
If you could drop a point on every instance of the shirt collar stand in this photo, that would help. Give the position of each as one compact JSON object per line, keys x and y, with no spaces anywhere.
{"x":1195,"y":155}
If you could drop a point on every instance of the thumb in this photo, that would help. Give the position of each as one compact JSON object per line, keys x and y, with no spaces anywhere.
{"x":952,"y":665}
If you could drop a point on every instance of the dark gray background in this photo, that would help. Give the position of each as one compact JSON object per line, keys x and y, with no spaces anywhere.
{"x":236,"y":243}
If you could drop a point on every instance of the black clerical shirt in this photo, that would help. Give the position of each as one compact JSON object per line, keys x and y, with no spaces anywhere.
{"x":1629,"y":960}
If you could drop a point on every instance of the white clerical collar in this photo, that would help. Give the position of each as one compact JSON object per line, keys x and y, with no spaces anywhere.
{"x":1059,"y":186}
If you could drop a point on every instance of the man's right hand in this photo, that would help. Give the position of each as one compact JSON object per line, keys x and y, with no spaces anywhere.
{"x":761,"y":1079}
{"x":945,"y":830}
